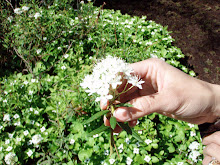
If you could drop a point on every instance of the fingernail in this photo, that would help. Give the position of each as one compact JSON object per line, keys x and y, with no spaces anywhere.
{"x":122,"y":115}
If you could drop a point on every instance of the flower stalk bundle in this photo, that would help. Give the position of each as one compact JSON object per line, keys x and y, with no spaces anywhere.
{"x":110,"y":78}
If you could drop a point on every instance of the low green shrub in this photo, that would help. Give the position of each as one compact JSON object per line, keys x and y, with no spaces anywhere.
{"x":43,"y":106}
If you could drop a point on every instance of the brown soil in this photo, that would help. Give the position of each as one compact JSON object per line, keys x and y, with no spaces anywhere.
{"x":194,"y":25}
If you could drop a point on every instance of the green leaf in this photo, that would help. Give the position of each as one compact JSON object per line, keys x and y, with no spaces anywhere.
{"x":84,"y":154}
{"x":96,"y":116}
{"x":113,"y":122}
{"x":130,"y":131}
{"x":125,"y":127}
{"x":98,"y":130}
{"x":171,"y":148}
{"x":154,"y":159}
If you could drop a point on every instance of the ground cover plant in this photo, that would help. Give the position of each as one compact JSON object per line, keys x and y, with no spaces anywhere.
{"x":52,"y":47}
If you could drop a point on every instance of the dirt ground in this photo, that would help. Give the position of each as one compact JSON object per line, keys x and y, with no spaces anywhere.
{"x":195,"y":26}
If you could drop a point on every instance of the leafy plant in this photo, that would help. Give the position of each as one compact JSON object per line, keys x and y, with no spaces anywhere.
{"x":43,"y":108}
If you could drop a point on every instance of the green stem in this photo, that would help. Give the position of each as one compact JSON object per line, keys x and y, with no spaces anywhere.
{"x":111,"y":142}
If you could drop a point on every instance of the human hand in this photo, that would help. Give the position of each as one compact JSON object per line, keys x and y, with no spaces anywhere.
{"x":170,"y":92}
{"x":212,"y":148}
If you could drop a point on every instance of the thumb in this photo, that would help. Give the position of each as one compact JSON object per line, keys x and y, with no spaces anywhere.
{"x":142,"y":106}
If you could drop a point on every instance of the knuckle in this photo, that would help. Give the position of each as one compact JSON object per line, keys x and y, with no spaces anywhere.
{"x":210,"y":148}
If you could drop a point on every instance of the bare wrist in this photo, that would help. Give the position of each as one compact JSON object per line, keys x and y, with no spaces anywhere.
{"x":216,"y":106}
{"x":209,"y":128}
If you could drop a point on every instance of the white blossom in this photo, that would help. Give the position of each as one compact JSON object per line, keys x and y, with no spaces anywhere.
{"x":194,"y":146}
{"x":140,"y":131}
{"x":10,"y":135}
{"x":114,"y":133}
{"x":96,"y":135}
{"x":9,"y":148}
{"x":193,"y":155}
{"x":43,"y":129}
{"x":107,"y":76}
{"x":10,"y":158}
{"x":36,"y":139}
{"x":127,"y":140}
{"x":72,"y":141}
{"x":149,"y":43}
{"x":16,"y":116}
{"x":147,"y":158}
{"x":135,"y":81}
{"x":17,"y":123}
{"x":129,"y":160}
{"x":180,"y":163}
{"x":29,"y":153}
{"x":25,"y":8}
{"x":66,"y":56}
{"x":5,"y":101}
{"x":6,"y":117}
{"x":36,"y":15}
{"x":38,"y":51}
{"x":7,"y":141}
{"x":120,"y":148}
{"x":192,"y":133}
{"x":136,"y":151}
{"x":17,"y":11}
{"x":26,"y":132}
{"x":111,"y":161}
{"x":25,"y":82}
{"x":148,"y":141}
{"x":18,"y":139}
{"x":191,"y":125}
{"x":63,"y":67}
{"x":30,"y":92}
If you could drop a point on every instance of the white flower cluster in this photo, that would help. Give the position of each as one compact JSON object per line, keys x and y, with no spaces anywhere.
{"x":194,"y":154}
{"x":36,"y":139}
{"x":107,"y":75}
{"x":20,"y":10}
{"x":10,"y":158}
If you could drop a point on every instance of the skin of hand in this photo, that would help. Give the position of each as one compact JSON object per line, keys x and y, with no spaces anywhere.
{"x":171,"y":92}
{"x":212,"y":148}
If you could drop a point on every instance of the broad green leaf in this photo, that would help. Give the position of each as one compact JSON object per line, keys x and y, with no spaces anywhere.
{"x":96,"y":116}
{"x":98,"y":130}
{"x":171,"y":148}
{"x":154,"y":159}
{"x":84,"y":154}
{"x":130,"y":131}
{"x":113,"y":122}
